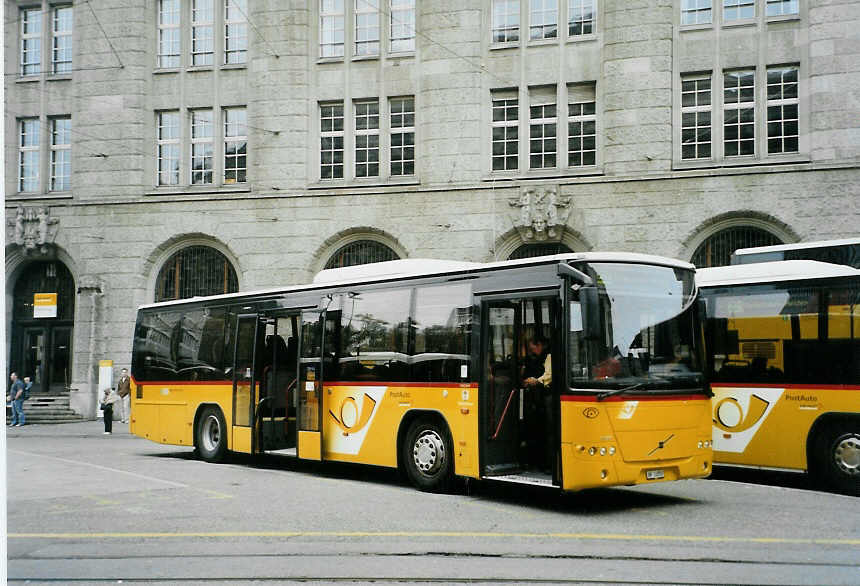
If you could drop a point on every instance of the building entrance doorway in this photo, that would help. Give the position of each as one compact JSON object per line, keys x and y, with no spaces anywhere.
{"x":41,"y":347}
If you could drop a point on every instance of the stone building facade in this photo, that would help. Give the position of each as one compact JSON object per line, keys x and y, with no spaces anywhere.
{"x":274,"y":138}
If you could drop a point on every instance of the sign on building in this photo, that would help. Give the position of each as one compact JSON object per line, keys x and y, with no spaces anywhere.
{"x":44,"y":305}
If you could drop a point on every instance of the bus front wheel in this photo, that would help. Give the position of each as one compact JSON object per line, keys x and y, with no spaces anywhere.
{"x":838,"y":452}
{"x":211,"y":435}
{"x":428,"y":455}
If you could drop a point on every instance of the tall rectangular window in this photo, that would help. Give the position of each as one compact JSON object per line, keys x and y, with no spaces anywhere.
{"x":31,"y":41}
{"x":781,"y":7}
{"x":581,"y":126}
{"x":331,"y":141}
{"x":543,"y":19}
{"x":61,"y":153}
{"x":235,"y":31}
{"x":738,"y":10}
{"x":29,"y":130}
{"x":506,"y":21}
{"x":402,"y":25}
{"x":542,"y":129}
{"x":695,"y":11}
{"x":402,"y":136}
{"x":505,"y":133}
{"x":61,"y":39}
{"x":202,"y":25}
{"x":739,"y":113}
{"x":366,"y":27}
{"x":696,"y":117}
{"x":580,"y":17}
{"x":168,"y":33}
{"x":235,"y":145}
{"x":201,"y":146}
{"x":367,"y":139}
{"x":331,"y":28}
{"x":782,"y":114}
{"x":168,"y":148}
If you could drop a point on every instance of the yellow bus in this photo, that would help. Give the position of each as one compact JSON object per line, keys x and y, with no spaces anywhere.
{"x":783,"y":342}
{"x":573,"y":371}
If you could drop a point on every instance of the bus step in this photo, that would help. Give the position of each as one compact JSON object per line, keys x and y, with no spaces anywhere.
{"x":533,"y":478}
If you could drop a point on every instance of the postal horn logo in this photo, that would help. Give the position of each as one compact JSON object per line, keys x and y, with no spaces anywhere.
{"x":352,"y":419}
{"x":590,"y":412}
{"x":729,"y":415}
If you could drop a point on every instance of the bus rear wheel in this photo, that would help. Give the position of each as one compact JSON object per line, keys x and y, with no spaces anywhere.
{"x":211,"y":435}
{"x":428,"y":455}
{"x":838,"y":451}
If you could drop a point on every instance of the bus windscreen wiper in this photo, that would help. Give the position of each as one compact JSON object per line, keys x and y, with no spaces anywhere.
{"x":613,"y":392}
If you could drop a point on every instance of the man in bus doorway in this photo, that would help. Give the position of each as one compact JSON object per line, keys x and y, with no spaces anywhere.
{"x":538,"y":404}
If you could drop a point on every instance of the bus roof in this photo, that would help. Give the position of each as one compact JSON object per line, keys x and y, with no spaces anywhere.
{"x":798,"y":246}
{"x":416,"y":268}
{"x":783,"y":270}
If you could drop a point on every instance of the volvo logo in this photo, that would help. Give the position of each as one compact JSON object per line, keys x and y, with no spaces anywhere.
{"x":590,"y":412}
{"x":661,"y":444}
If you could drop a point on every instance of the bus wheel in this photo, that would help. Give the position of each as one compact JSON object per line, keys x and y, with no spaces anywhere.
{"x":427,"y":455}
{"x":211,"y":435}
{"x":839,"y":451}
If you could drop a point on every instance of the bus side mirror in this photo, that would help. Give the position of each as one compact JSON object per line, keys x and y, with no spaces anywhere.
{"x":590,"y":304}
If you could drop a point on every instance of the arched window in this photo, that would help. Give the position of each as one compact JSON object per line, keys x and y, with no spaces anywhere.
{"x":195,"y":270}
{"x":360,"y":252}
{"x":717,"y":249}
{"x":532,"y":250}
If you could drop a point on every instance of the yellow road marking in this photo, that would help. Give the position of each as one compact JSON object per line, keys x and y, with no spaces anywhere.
{"x":491,"y":535}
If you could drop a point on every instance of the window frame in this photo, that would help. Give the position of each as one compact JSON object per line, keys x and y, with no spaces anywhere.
{"x":334,"y":134}
{"x":366,"y":47}
{"x":782,"y":4}
{"x":696,"y":109}
{"x":503,"y":102}
{"x":698,"y":9}
{"x":241,"y":173}
{"x":58,"y":67}
{"x":26,"y":150}
{"x":737,"y":6}
{"x":545,"y":28}
{"x":582,"y":6}
{"x":368,"y":132}
{"x":399,"y":7}
{"x":783,"y":102}
{"x":201,"y":140}
{"x":27,"y":38}
{"x":403,"y":130}
{"x":582,"y":118}
{"x":168,"y":34}
{"x":544,"y":122}
{"x":237,"y":24}
{"x":61,"y":150}
{"x":202,"y":20}
{"x":171,"y":143}
{"x":511,"y":33}
{"x":334,"y":18}
{"x":740,"y":106}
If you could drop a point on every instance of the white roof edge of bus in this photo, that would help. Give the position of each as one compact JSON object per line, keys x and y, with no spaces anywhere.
{"x":392,"y":268}
{"x":437,"y":264}
{"x":798,"y":246}
{"x":781,"y":270}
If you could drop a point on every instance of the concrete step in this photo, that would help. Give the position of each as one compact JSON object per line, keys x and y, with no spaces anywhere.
{"x":47,"y":409}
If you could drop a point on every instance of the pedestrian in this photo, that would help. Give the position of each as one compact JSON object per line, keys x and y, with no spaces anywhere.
{"x":28,"y":384}
{"x":106,"y":405}
{"x":16,"y":397}
{"x":123,"y":389}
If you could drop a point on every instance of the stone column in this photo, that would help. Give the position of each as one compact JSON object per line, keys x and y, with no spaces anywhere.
{"x":89,"y":309}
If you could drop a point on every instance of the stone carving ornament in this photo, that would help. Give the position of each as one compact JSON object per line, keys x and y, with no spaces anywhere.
{"x":543,"y":213}
{"x":33,"y":229}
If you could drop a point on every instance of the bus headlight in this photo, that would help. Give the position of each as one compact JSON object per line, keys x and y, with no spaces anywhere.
{"x":611,"y":450}
{"x":592,"y":450}
{"x":602,"y":451}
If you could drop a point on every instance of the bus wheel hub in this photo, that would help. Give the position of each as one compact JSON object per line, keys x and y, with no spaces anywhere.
{"x":847,"y":455}
{"x":429,"y":452}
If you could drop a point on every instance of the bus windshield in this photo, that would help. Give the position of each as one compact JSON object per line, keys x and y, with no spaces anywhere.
{"x":637,"y":334}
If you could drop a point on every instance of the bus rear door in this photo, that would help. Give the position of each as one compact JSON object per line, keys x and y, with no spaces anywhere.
{"x":249,"y":343}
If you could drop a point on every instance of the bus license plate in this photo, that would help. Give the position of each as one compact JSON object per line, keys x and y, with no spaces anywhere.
{"x":654,"y":474}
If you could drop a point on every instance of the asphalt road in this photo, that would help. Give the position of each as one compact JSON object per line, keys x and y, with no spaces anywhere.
{"x":84,"y":508}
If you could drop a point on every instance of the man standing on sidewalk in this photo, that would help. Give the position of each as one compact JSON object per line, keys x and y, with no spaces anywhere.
{"x":123,"y":389}
{"x":16,"y":397}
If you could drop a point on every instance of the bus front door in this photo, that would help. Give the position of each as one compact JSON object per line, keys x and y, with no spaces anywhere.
{"x":275,"y":420}
{"x":246,"y":381}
